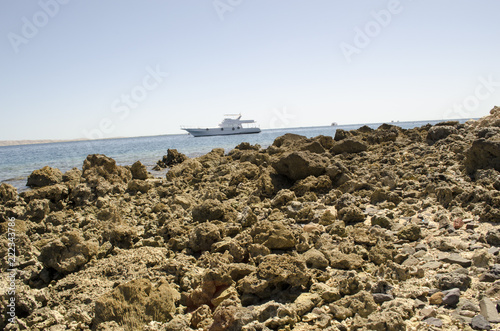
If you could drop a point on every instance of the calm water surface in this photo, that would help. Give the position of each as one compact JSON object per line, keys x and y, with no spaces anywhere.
{"x":17,"y":162}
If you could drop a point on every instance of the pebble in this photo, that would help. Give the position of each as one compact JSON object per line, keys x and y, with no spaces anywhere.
{"x":488,"y":277}
{"x":489,"y":310}
{"x":458,"y":223}
{"x":419,"y":304}
{"x":428,"y":312}
{"x":382,"y":297}
{"x":432,"y":265}
{"x":494,"y":250}
{"x":455,"y":258}
{"x":434,"y":321}
{"x":436,"y":298}
{"x":451,"y":297}
{"x":479,"y":322}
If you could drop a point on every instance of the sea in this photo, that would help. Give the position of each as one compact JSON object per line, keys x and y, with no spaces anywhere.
{"x":18,"y":162}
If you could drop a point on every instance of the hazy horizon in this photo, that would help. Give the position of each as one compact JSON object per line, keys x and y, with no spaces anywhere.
{"x":92,"y":69}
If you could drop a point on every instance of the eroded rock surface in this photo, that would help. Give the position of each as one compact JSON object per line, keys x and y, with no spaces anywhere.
{"x":373,"y":229}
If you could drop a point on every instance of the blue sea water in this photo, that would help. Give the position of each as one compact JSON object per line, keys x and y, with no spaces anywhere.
{"x":17,"y":162}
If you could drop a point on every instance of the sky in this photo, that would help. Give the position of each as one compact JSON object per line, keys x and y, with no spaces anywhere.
{"x":97,"y":69}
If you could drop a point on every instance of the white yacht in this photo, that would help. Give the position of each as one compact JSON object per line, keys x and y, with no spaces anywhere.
{"x":232,"y":124}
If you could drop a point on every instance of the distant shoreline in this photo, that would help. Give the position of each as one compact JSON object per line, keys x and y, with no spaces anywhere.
{"x":49,"y":141}
{"x":34,"y":142}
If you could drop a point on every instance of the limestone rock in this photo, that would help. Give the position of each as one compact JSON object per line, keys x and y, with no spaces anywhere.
{"x":97,"y":167}
{"x":139,"y":171}
{"x":7,"y":192}
{"x":439,"y":132}
{"x":72,"y":177}
{"x":361,"y":303}
{"x":172,"y":158}
{"x":55,"y":193}
{"x":137,"y":302}
{"x":44,"y":176}
{"x":38,"y":209}
{"x":203,"y":236}
{"x":410,"y":232}
{"x":68,"y":253}
{"x":348,"y":146}
{"x":483,"y":154}
{"x":299,"y":165}
{"x":273,"y":235}
{"x":208,"y":210}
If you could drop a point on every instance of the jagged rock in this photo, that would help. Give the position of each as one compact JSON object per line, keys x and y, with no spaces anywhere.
{"x":493,"y":237}
{"x":120,"y":235}
{"x":351,"y":214}
{"x":68,"y":253}
{"x":274,"y":272}
{"x":138,"y":185}
{"x":439,"y":132}
{"x":283,"y":197}
{"x":479,"y":322}
{"x":315,"y":259}
{"x":482,"y":259}
{"x":187,"y":170}
{"x":483,"y":154}
{"x":137,"y":302}
{"x":172,"y":158}
{"x":299,"y":165}
{"x":273,"y":235}
{"x":139,"y":171}
{"x":457,"y":259}
{"x":313,"y":147}
{"x":98,"y":166}
{"x":489,"y":310}
{"x":211,"y":286}
{"x":382,"y":297}
{"x":277,"y":269}
{"x":203,"y":236}
{"x":339,"y":260}
{"x":410,"y":232}
{"x":44,"y":176}
{"x":454,"y":280}
{"x":360,"y":303}
{"x":305,"y":303}
{"x":55,"y":193}
{"x":348,"y":146}
{"x":208,"y":210}
{"x":37,"y":210}
{"x":7,"y":192}
{"x":382,"y":221}
{"x":451,"y":297}
{"x":289,"y":140}
{"x":81,"y":194}
{"x":202,"y":317}
{"x":72,"y":177}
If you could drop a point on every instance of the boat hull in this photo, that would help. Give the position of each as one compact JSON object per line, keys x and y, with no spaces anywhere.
{"x":221,"y":132}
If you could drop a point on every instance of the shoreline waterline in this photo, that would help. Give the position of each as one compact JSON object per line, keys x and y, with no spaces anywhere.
{"x":18,"y":161}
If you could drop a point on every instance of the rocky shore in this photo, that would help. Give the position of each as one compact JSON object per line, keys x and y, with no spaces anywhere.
{"x":385,"y":229}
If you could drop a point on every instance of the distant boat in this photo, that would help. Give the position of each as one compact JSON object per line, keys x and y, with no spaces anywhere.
{"x":232,"y":124}
{"x":334,"y":124}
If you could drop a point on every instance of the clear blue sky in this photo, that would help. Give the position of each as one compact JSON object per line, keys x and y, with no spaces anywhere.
{"x":73,"y":68}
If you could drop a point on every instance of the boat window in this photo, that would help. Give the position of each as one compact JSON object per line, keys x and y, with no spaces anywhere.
{"x":238,"y":128}
{"x":222,"y":129}
{"x":233,"y":129}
